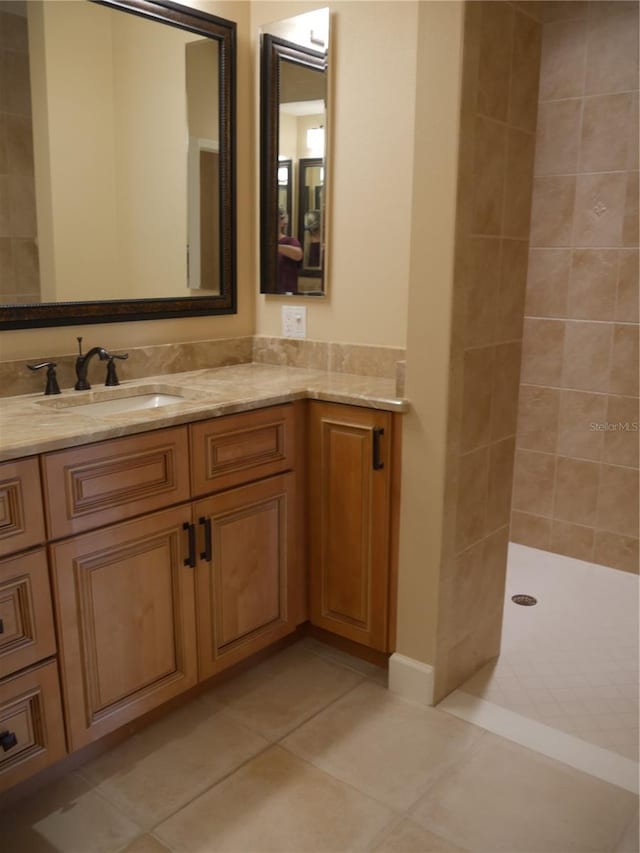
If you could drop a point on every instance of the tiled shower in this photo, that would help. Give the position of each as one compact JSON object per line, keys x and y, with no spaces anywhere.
{"x":576,"y":469}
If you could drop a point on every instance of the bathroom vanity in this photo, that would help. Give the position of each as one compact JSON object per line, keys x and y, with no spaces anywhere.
{"x":145,"y":551}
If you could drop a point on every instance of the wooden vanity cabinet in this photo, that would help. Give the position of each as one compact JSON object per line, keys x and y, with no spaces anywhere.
{"x":350,"y":521}
{"x":126,"y":621}
{"x":21,"y":516}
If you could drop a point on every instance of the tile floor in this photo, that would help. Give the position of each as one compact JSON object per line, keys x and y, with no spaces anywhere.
{"x":309,"y":752}
{"x":571,"y":661}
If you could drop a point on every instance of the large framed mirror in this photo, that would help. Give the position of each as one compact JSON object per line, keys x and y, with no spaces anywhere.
{"x":293,"y":145}
{"x":123,"y":207}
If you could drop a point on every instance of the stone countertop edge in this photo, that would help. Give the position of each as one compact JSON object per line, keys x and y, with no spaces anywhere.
{"x":31,"y":424}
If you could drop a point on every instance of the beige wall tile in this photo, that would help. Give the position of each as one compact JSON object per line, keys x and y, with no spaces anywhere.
{"x":490,"y":164}
{"x":548,"y":282}
{"x":517,"y":203}
{"x":542,"y":348}
{"x":628,"y":278}
{"x":534,"y":482}
{"x":525,"y":71}
{"x":593,"y":284}
{"x":572,"y":540}
{"x":407,"y":836}
{"x":473,"y":484}
{"x":633,"y":149}
{"x":538,"y":411}
{"x":17,"y":92}
{"x":360,"y":359}
{"x":14,"y":33}
{"x":146,"y":844}
{"x":599,"y":209}
{"x":482,"y":284}
{"x":612,"y":56}
{"x":579,"y":410}
{"x":496,"y":40}
{"x":618,"y":501}
{"x":7,"y":283}
{"x":506,"y":381}
{"x":552,"y":211}
{"x":605,"y":138}
{"x":501,"y":458}
{"x":576,"y":496}
{"x":622,"y":436}
{"x":558,"y":137}
{"x":624,"y":361}
{"x":19,"y":145}
{"x":586,"y":358}
{"x":22,"y":206}
{"x":476,"y":398}
{"x":3,"y":142}
{"x":513,"y":286}
{"x":531,"y":530}
{"x":619,"y":552}
{"x":564,"y":10}
{"x":630,"y":223}
{"x":4,"y":206}
{"x":564,"y":48}
{"x":503,"y":797}
{"x":26,"y":266}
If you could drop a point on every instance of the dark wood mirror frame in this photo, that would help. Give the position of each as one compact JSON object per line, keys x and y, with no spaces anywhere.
{"x":272,"y":51}
{"x":114,"y":311}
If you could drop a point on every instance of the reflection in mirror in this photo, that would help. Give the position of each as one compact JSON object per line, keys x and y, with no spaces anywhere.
{"x":131,"y":163}
{"x":293,"y":131}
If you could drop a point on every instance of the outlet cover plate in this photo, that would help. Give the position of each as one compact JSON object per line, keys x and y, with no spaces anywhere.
{"x":294,"y":321}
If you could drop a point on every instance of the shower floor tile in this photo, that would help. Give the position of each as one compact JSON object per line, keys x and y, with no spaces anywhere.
{"x":571,"y":661}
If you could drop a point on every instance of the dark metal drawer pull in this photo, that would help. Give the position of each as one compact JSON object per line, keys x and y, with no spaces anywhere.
{"x":378,"y":464}
{"x":8,"y":740}
{"x":206,"y":554}
{"x":191,"y":559}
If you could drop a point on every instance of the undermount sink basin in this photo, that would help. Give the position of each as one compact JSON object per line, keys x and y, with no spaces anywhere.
{"x":117,"y":402}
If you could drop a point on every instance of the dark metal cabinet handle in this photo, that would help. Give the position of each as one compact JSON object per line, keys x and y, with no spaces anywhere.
{"x":206,"y":554}
{"x":1,"y":627}
{"x":8,"y":740}
{"x":378,"y":464}
{"x":191,"y":559}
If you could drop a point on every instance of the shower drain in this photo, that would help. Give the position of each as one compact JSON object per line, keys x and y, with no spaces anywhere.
{"x":525,"y":600}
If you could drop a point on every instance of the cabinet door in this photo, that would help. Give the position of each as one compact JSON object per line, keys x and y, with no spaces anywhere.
{"x":125,"y":605}
{"x":246,"y":577}
{"x":349,"y":517}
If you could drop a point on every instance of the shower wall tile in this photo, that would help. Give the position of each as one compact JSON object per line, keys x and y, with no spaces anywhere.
{"x":476,"y":399}
{"x":628,"y":277}
{"x":576,"y":491}
{"x":621,"y":552}
{"x":512,"y":291}
{"x":547,"y":283}
{"x":519,"y":178}
{"x":496,"y":48}
{"x":558,"y":137}
{"x":585,"y":362}
{"x":525,"y":76}
{"x":481,"y":284}
{"x":504,"y":396}
{"x":577,"y":437}
{"x":572,"y":540}
{"x":582,"y":410}
{"x":606,"y":135}
{"x":593,"y":285}
{"x":538,"y":415}
{"x":501,"y":456}
{"x":490,"y":166}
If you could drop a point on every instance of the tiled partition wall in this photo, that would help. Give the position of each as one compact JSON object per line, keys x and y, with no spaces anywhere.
{"x":576,"y":475}
{"x":497,"y":136}
{"x":19,"y":276}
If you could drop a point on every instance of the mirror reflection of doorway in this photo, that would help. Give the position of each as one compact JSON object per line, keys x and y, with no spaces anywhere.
{"x":285,"y":191}
{"x":311,"y":215}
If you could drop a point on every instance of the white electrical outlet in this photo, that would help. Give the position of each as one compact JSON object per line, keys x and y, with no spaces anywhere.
{"x":294,"y":321}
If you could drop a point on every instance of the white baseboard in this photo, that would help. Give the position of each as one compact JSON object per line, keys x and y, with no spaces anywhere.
{"x":411,"y":679}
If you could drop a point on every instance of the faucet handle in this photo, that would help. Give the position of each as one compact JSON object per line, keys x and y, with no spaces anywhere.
{"x":52,"y":379}
{"x":112,"y":376}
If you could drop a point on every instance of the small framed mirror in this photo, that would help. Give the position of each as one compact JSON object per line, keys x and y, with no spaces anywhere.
{"x":293,"y":155}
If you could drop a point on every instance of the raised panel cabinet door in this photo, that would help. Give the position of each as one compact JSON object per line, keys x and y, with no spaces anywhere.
{"x":110,"y":481}
{"x":124,"y":598}
{"x":227,"y":452}
{"x":21,"y":514}
{"x":31,"y":725}
{"x":246,"y":574}
{"x":349,"y":521}
{"x":26,"y":616}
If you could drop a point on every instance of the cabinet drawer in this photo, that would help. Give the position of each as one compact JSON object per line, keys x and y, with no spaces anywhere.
{"x":21,"y":516}
{"x":26,"y":617}
{"x":230,"y":451}
{"x":31,"y":727}
{"x":98,"y":484}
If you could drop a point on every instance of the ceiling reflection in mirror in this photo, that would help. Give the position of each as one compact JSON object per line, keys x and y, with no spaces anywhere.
{"x":123,"y":195}
{"x":293,"y":154}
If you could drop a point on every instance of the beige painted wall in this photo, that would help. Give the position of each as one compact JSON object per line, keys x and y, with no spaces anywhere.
{"x":36,"y":343}
{"x":371,"y":127}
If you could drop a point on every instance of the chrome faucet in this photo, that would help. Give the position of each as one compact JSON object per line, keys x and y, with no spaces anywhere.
{"x":82,"y":365}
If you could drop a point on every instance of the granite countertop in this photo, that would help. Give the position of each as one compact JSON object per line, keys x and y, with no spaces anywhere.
{"x":34,"y":423}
